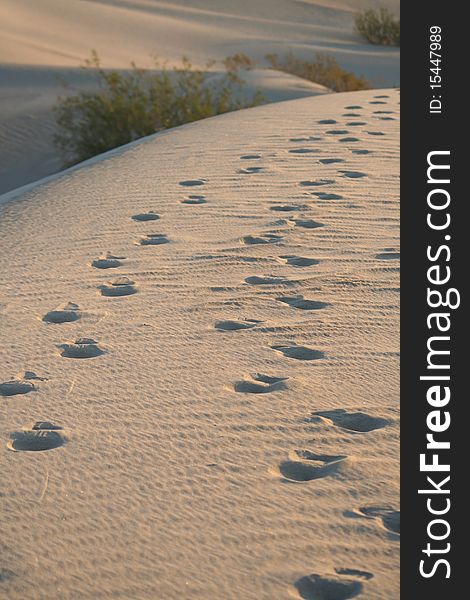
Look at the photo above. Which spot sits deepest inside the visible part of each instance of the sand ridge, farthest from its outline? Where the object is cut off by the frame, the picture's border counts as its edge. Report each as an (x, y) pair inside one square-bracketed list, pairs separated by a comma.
[(202, 403)]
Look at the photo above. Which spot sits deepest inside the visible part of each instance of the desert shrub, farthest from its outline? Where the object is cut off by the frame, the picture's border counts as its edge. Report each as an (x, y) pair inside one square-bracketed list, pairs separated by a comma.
[(379, 27), (239, 61), (324, 69), (127, 105)]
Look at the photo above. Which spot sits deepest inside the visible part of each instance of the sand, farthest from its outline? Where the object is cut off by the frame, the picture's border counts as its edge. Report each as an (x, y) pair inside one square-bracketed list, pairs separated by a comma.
[(42, 42), (215, 413)]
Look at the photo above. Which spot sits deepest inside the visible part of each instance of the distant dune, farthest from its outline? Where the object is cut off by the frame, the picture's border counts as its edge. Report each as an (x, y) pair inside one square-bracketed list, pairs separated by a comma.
[(199, 360), (41, 41), (57, 33)]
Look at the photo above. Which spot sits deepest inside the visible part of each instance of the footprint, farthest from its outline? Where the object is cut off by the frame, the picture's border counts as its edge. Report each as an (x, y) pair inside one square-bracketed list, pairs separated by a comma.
[(387, 118), (383, 112), (300, 261), (353, 107), (81, 348), (192, 182), (268, 280), (261, 384), (348, 139), (338, 131), (301, 303), (250, 156), (194, 199), (355, 123), (119, 287), (70, 312), (23, 385), (299, 352), (251, 170), (37, 440), (388, 256), (326, 196), (383, 96), (353, 174), (361, 151), (108, 262), (307, 223), (307, 466), (352, 115), (331, 161), (317, 183), (327, 122), (148, 216), (389, 517), (377, 102), (266, 238), (375, 132), (304, 151), (289, 207), (236, 325), (154, 239), (6, 574), (315, 587), (352, 421)]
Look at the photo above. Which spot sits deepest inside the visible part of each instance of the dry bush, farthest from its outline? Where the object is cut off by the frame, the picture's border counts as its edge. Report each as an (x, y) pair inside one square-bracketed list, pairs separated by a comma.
[(128, 105), (379, 27), (324, 69)]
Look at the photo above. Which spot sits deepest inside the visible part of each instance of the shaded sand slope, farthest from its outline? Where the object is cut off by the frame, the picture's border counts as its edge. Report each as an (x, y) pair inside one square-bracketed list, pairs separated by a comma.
[(215, 414)]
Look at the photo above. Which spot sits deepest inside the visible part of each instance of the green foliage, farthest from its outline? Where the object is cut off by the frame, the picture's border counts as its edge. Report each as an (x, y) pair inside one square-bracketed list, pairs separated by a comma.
[(379, 27), (239, 61), (135, 103), (324, 69)]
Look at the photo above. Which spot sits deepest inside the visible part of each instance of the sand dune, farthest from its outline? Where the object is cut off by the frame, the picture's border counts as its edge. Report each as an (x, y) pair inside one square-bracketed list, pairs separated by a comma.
[(55, 33), (199, 367), (41, 41)]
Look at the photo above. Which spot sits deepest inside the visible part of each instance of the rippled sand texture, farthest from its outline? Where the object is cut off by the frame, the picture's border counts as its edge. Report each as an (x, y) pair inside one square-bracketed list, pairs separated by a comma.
[(203, 403)]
